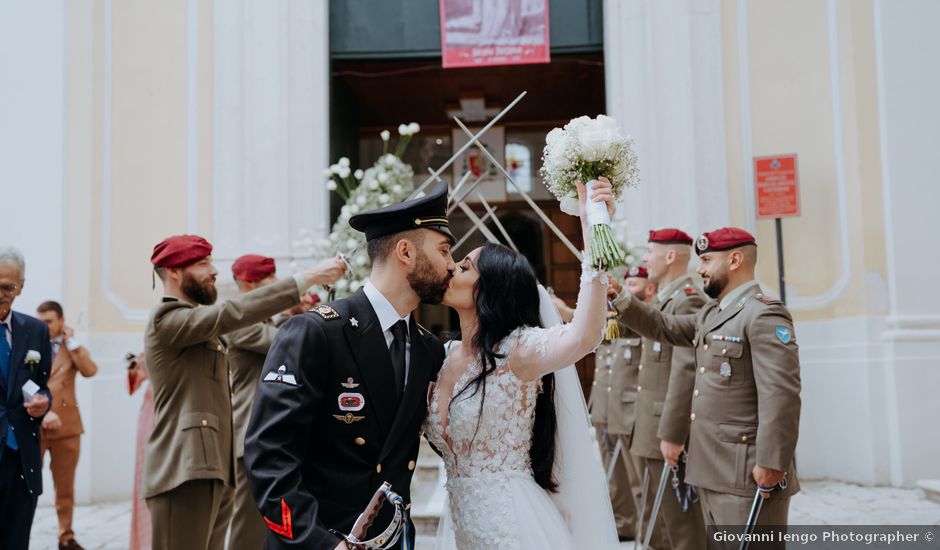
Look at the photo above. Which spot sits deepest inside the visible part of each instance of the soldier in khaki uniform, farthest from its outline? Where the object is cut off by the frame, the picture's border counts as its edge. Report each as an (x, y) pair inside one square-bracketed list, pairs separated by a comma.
[(746, 399), (189, 466), (616, 363), (247, 348), (666, 380)]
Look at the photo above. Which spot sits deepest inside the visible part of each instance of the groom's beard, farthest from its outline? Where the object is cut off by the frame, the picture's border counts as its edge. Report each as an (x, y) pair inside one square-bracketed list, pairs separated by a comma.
[(427, 285)]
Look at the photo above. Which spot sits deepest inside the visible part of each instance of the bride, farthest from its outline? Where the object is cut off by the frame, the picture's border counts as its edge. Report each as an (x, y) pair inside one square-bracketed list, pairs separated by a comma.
[(507, 413)]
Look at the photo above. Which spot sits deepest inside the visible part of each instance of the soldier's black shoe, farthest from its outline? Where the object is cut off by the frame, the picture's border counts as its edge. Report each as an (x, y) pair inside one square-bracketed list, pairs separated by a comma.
[(72, 544), (624, 538)]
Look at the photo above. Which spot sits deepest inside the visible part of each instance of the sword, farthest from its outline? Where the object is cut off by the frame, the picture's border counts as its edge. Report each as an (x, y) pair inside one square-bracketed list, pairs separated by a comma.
[(756, 506), (656, 504), (388, 537), (642, 507), (614, 456)]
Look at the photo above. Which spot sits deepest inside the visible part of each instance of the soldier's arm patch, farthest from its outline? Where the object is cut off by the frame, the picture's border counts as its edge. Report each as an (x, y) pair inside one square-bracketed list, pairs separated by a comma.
[(689, 290), (326, 312)]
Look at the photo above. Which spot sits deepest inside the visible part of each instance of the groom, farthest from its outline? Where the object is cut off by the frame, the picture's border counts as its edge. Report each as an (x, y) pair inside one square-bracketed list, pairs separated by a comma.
[(344, 387)]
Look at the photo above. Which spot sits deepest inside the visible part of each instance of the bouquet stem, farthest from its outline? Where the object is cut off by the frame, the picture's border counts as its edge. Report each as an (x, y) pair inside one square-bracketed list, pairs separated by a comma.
[(605, 250)]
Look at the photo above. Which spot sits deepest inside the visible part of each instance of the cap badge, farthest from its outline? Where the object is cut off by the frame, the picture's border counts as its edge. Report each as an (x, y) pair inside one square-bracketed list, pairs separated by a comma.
[(702, 243)]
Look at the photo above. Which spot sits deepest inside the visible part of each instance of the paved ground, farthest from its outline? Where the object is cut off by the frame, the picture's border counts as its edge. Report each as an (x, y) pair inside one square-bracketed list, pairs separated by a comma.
[(107, 526)]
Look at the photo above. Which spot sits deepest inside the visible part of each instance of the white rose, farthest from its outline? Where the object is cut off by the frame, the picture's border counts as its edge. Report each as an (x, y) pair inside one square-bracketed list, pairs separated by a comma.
[(354, 209), (402, 129), (344, 162), (358, 174), (33, 357), (344, 172), (383, 178), (344, 209), (351, 243), (385, 199), (413, 128), (385, 134), (557, 135), (361, 200), (397, 189), (331, 185), (373, 184), (595, 143), (390, 160), (327, 172), (334, 168)]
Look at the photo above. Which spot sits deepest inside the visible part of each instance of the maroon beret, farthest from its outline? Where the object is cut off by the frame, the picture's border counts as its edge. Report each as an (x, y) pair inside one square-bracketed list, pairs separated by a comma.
[(670, 236), (637, 271), (252, 268), (180, 251), (725, 238)]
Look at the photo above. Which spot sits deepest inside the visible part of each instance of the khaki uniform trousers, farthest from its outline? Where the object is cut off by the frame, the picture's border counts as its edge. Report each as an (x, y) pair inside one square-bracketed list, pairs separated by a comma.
[(732, 510), (193, 516), (248, 527), (683, 530), (64, 459)]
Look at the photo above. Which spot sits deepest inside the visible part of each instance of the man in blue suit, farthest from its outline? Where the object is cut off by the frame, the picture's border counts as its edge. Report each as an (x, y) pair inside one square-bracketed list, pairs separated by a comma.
[(25, 356)]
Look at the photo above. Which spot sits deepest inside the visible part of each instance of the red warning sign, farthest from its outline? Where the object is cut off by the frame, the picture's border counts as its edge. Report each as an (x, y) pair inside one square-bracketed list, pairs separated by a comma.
[(775, 179)]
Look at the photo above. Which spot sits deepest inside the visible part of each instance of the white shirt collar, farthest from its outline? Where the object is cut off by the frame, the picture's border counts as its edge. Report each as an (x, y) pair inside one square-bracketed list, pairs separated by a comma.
[(8, 321), (384, 309)]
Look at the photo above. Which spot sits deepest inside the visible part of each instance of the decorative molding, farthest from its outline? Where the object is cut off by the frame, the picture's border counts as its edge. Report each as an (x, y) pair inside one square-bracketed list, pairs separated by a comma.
[(819, 301), (192, 111)]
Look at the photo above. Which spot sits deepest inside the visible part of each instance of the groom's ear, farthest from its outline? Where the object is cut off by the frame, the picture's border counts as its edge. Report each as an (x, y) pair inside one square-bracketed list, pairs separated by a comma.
[(405, 251)]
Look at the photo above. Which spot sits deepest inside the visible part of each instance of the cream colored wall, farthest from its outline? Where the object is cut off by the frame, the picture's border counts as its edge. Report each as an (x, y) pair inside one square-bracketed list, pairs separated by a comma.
[(783, 96), (141, 123)]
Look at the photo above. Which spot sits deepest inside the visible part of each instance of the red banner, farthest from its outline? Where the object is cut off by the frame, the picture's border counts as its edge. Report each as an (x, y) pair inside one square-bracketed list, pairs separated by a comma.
[(479, 33), (777, 189)]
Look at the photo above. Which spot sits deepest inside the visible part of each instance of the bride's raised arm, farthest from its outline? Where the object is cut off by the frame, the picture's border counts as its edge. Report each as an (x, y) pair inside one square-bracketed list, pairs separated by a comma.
[(540, 350)]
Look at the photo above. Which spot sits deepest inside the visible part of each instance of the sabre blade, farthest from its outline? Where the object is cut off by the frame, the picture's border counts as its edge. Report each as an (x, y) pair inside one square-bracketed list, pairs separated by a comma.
[(752, 518), (656, 504)]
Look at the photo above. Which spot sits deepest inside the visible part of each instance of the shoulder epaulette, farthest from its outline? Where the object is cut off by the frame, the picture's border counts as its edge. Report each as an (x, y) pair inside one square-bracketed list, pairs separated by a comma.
[(766, 299), (326, 312)]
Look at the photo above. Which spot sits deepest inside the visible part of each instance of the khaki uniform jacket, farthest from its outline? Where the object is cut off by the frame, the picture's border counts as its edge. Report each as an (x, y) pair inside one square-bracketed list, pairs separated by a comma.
[(665, 367), (615, 379), (746, 400), (188, 368), (247, 348), (62, 385)]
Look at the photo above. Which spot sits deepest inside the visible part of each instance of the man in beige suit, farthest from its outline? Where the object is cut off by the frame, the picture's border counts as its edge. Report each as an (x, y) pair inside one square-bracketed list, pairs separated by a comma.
[(667, 370), (746, 399), (247, 348), (616, 363), (189, 468), (62, 427)]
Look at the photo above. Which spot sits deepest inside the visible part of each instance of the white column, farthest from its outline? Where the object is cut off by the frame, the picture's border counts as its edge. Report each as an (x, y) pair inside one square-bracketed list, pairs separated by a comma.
[(271, 126), (908, 47), (32, 132), (662, 62)]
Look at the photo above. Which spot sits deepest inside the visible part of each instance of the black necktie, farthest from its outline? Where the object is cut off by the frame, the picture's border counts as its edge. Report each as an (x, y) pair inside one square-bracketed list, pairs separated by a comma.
[(397, 353)]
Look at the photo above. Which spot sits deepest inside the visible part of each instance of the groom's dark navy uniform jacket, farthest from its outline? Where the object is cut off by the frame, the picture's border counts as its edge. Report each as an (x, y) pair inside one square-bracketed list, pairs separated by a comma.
[(327, 427)]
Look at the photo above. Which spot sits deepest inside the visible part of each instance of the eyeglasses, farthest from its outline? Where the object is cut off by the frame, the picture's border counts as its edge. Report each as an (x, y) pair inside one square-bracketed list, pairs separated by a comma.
[(8, 289)]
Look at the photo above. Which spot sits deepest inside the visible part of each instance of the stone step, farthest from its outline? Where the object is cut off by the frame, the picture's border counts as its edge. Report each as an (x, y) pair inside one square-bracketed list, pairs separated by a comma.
[(931, 488)]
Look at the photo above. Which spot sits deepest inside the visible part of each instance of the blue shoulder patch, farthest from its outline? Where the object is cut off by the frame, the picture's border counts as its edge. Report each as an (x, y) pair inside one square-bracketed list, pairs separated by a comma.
[(784, 334)]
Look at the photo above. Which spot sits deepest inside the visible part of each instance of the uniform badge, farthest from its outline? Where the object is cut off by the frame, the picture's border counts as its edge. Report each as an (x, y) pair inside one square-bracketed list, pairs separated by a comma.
[(627, 353), (657, 347), (326, 312), (349, 401), (348, 418), (784, 334), (281, 376), (354, 322), (702, 243), (689, 291), (725, 369), (349, 383)]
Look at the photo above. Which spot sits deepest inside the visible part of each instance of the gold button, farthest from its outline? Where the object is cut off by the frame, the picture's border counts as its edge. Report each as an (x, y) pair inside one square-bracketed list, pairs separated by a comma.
[(695, 393), (705, 347), (608, 388), (411, 464), (378, 468), (724, 351), (692, 417), (219, 347), (359, 441), (640, 367), (594, 383), (743, 438), (205, 422), (639, 388), (701, 370)]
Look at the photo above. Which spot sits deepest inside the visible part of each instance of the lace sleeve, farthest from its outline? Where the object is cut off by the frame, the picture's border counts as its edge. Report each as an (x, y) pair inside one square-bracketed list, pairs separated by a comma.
[(539, 350)]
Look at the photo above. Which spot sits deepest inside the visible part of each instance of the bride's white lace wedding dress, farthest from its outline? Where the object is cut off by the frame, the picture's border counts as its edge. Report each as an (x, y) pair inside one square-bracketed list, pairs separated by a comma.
[(494, 502)]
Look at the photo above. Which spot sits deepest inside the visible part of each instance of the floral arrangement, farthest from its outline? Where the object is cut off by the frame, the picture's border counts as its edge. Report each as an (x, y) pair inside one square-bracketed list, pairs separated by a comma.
[(387, 181), (584, 150)]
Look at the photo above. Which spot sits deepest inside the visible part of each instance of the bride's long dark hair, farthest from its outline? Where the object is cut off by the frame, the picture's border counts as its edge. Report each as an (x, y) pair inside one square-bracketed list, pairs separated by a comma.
[(507, 298)]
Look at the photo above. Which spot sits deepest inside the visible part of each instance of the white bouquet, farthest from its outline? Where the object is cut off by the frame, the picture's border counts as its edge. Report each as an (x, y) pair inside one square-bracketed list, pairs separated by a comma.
[(387, 181), (584, 150)]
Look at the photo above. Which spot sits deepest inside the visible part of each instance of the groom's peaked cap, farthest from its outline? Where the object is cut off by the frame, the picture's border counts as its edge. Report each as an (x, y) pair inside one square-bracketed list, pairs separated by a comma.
[(427, 212)]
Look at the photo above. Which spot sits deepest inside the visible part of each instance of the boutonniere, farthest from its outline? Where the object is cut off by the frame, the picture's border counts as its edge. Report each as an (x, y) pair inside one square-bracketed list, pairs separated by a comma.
[(32, 359)]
